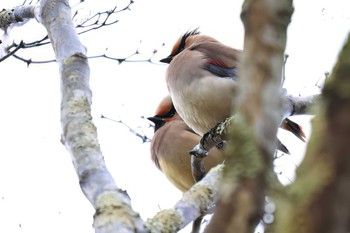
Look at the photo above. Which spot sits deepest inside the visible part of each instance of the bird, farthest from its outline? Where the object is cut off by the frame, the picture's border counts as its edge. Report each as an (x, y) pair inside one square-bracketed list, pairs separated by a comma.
[(171, 143), (202, 82), (201, 79), (170, 146)]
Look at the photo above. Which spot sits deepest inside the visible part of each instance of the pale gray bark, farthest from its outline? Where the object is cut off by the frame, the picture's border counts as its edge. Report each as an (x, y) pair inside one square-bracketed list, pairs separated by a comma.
[(10, 18), (19, 14), (112, 205), (195, 202)]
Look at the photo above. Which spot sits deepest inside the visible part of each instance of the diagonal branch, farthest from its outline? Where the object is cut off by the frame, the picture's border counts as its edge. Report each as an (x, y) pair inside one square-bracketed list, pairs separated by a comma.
[(195, 202), (143, 137), (12, 52), (112, 205), (320, 193)]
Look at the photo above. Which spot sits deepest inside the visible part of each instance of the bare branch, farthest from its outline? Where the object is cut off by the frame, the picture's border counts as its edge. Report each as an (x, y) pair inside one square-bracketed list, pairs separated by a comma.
[(21, 14), (144, 138), (130, 58), (10, 18), (112, 205), (253, 134), (18, 14), (320, 192), (12, 52), (100, 19), (195, 202)]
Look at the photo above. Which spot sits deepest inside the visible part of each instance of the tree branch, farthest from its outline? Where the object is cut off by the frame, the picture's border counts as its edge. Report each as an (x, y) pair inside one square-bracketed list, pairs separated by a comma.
[(100, 19), (12, 52), (195, 202), (21, 14), (292, 105), (320, 193), (112, 205), (252, 139), (144, 138), (10, 18)]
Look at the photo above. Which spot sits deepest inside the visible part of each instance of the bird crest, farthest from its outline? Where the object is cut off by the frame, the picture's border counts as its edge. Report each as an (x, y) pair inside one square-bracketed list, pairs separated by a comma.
[(181, 43)]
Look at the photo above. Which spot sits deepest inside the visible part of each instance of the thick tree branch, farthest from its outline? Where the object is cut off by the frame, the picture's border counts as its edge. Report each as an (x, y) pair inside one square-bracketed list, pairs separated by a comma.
[(320, 194), (195, 202), (10, 18), (19, 14), (300, 105), (253, 134), (113, 210)]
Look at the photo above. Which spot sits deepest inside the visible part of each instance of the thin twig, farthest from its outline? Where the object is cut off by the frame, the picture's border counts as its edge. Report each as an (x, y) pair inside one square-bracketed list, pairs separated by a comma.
[(144, 138)]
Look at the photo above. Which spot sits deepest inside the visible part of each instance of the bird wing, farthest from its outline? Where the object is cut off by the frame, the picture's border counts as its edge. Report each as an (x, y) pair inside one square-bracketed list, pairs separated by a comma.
[(223, 72), (218, 53), (222, 59)]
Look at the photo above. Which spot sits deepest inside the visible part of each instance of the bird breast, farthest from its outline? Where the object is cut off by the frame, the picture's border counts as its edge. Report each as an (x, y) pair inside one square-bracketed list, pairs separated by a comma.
[(201, 98)]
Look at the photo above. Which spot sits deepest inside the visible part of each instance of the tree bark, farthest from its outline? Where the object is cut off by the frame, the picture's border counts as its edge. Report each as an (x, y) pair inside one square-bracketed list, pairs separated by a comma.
[(194, 203), (318, 201), (10, 18), (112, 205), (248, 169)]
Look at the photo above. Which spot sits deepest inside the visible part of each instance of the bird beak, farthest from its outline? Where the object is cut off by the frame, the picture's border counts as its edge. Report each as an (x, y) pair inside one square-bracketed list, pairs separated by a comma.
[(168, 59), (158, 122)]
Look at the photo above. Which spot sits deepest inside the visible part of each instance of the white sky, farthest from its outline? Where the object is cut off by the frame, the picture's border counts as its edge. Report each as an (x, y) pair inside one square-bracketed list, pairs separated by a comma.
[(39, 190)]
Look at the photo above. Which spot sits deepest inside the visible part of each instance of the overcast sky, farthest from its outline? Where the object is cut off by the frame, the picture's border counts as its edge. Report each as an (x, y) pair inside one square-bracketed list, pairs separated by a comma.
[(39, 190)]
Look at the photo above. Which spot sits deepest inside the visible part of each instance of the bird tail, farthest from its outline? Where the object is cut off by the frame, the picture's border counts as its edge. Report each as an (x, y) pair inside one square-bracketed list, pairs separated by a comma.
[(294, 128), (282, 147)]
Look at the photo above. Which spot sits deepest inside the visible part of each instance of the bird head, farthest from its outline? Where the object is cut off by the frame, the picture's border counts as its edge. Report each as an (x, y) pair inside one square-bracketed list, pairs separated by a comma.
[(165, 112), (185, 41)]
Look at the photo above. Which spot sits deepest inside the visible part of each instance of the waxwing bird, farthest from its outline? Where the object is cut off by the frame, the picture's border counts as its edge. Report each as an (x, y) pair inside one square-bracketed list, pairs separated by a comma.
[(201, 79), (202, 82), (171, 143)]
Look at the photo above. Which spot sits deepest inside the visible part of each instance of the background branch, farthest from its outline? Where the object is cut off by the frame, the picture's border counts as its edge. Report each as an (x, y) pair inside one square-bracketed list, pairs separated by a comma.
[(21, 14), (143, 137), (320, 190), (253, 134)]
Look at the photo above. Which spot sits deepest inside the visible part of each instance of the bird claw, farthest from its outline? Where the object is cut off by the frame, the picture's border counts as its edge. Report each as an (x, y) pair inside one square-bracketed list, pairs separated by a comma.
[(220, 145), (199, 152)]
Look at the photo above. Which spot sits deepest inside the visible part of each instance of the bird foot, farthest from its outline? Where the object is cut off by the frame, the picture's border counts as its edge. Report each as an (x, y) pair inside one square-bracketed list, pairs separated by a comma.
[(220, 146), (197, 165), (199, 152)]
